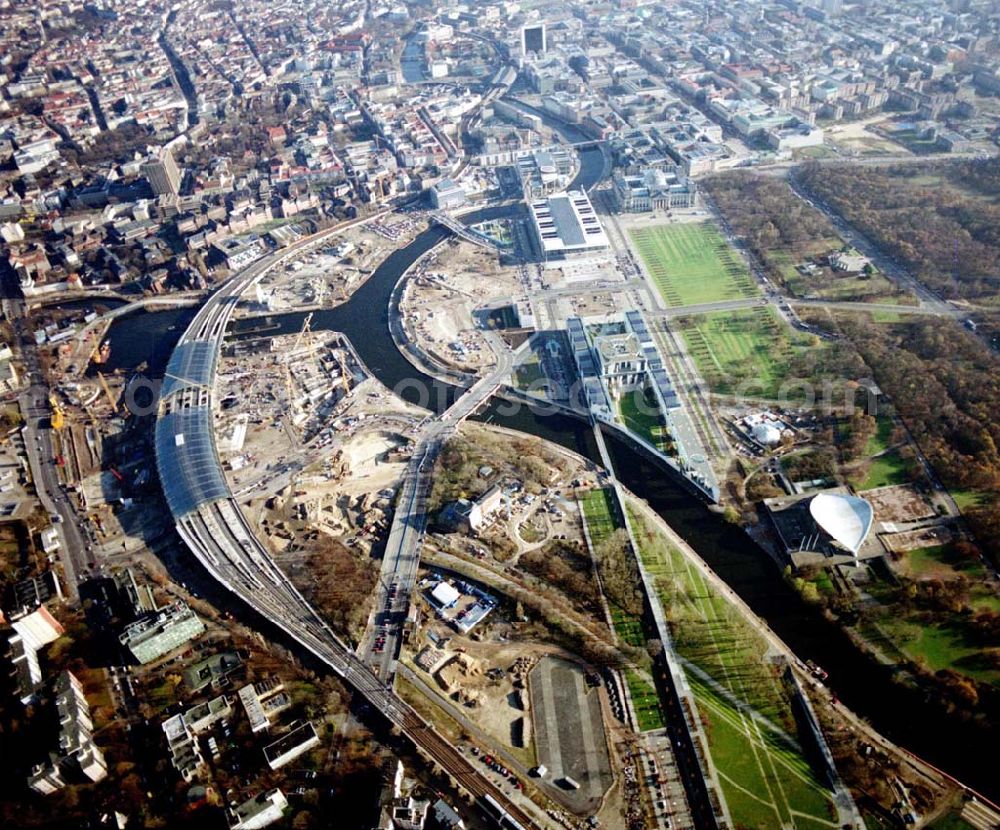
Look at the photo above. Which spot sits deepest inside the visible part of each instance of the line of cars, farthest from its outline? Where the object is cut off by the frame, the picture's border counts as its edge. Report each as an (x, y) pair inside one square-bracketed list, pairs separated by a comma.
[(498, 768), (378, 646)]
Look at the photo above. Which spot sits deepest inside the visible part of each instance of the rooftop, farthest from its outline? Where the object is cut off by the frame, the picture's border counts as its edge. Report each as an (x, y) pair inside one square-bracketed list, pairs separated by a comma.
[(567, 222)]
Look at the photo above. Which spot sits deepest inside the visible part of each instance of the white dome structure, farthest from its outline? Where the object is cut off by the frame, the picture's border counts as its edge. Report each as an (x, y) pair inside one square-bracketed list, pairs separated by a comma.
[(847, 519), (767, 434)]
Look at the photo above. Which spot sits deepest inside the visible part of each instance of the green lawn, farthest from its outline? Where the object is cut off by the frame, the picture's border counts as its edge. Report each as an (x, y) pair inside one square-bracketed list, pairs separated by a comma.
[(970, 499), (941, 642), (628, 628), (645, 702), (744, 351), (952, 821), (601, 516), (887, 317), (882, 471), (766, 783), (766, 779), (879, 442), (692, 264), (940, 562), (527, 374), (940, 646), (633, 411)]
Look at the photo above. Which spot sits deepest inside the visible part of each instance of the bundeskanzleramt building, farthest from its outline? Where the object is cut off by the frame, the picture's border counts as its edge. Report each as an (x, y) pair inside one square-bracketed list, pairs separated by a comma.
[(161, 632), (616, 357), (621, 362)]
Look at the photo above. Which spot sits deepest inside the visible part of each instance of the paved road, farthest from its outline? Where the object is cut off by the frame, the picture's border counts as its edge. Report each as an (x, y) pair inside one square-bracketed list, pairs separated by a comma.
[(381, 643), (75, 538), (886, 264), (781, 168), (946, 310)]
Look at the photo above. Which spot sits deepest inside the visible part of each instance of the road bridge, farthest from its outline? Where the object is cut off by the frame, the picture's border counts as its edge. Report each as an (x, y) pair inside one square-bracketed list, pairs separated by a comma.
[(401, 560)]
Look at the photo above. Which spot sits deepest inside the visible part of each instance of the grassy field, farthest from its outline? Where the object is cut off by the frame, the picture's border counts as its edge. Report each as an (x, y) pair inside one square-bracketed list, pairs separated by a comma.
[(628, 628), (766, 778), (941, 562), (692, 264), (880, 441), (766, 783), (528, 373), (750, 348), (892, 317), (645, 702), (970, 499), (881, 472), (952, 821), (643, 423), (601, 515), (937, 641), (943, 645)]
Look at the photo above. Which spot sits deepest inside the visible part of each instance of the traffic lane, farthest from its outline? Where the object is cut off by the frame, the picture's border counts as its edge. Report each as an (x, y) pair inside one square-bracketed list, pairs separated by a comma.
[(41, 460), (71, 524)]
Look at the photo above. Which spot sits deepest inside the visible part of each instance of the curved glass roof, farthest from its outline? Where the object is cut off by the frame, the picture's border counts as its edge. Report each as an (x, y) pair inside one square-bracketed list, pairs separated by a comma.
[(185, 458), (191, 365)]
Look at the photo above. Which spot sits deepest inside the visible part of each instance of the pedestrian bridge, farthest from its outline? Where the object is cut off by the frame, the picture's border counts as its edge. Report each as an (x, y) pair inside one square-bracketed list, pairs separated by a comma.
[(465, 232)]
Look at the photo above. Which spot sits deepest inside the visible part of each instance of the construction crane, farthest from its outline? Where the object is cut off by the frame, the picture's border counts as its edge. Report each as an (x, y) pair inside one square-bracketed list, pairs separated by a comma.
[(345, 376), (289, 390), (306, 329), (58, 419), (107, 391)]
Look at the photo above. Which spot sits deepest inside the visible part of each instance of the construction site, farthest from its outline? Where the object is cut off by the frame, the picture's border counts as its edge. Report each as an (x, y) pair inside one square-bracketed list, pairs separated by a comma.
[(439, 301), (327, 276), (308, 438), (536, 715), (101, 458)]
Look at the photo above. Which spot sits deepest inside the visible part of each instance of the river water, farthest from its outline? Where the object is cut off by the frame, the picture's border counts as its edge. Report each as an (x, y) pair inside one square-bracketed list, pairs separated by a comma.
[(901, 714)]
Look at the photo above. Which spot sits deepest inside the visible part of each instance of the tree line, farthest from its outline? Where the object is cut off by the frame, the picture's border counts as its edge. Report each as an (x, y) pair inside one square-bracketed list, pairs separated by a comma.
[(947, 236), (946, 386)]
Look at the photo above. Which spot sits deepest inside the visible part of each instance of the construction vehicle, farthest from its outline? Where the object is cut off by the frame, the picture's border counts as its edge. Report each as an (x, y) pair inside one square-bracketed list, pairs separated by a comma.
[(101, 351), (58, 419)]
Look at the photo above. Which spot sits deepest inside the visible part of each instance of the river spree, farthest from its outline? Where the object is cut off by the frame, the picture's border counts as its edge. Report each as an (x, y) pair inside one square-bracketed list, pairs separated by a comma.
[(902, 714)]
